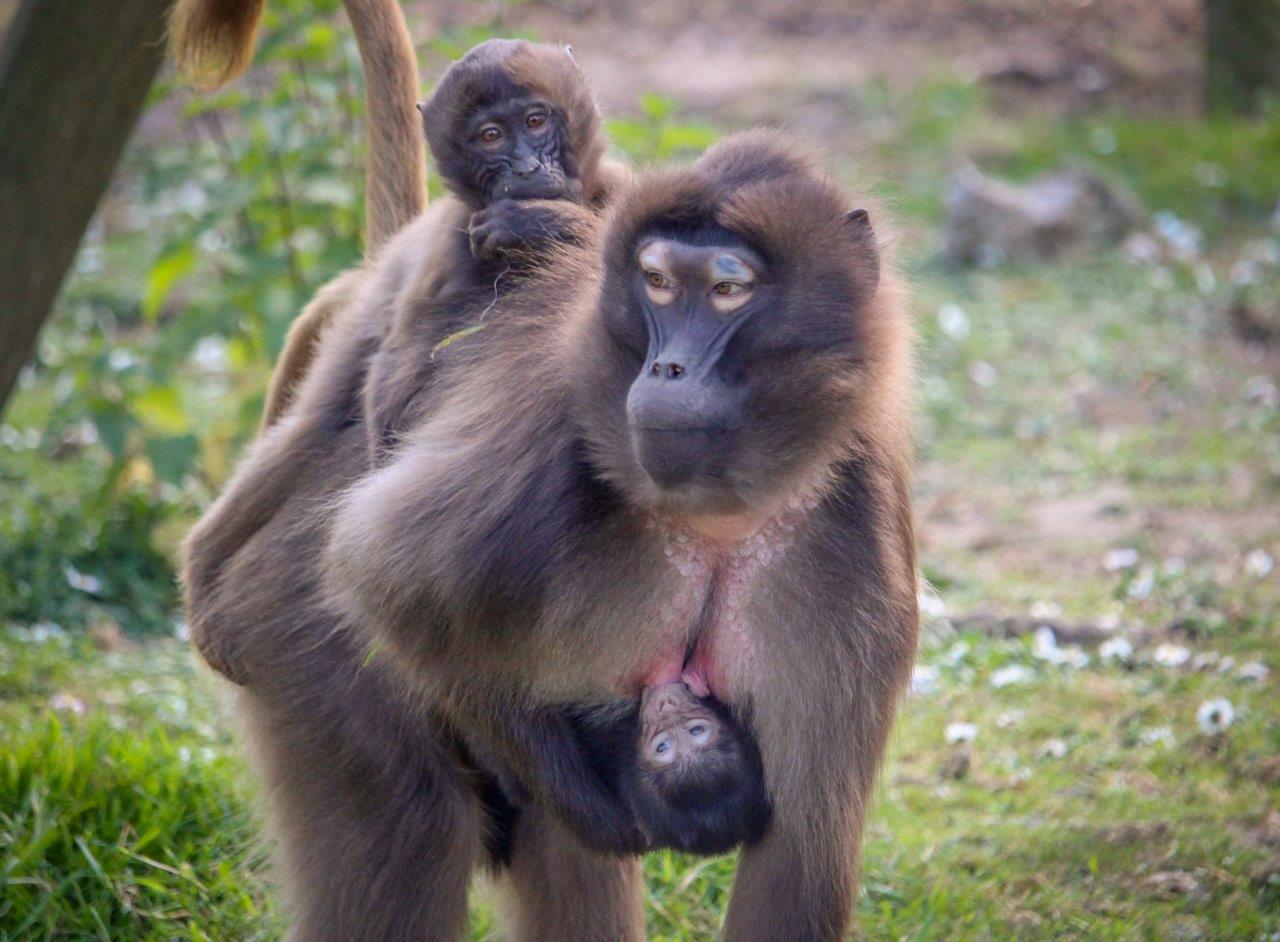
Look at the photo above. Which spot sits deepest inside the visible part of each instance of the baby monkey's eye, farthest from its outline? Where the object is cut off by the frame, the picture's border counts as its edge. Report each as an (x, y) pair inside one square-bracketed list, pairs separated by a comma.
[(491, 134), (658, 280), (727, 289), (698, 730), (535, 119), (662, 746)]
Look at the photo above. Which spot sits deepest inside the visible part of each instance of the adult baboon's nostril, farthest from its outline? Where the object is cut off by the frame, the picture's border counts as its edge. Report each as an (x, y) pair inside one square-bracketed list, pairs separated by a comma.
[(674, 370)]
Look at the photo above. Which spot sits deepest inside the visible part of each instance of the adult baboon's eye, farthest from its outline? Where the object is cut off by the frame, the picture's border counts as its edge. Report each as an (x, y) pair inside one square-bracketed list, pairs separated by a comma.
[(535, 119), (491, 134), (728, 289), (658, 280)]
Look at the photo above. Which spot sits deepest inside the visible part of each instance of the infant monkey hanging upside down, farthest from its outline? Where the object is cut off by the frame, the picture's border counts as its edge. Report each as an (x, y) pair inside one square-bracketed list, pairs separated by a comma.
[(685, 764)]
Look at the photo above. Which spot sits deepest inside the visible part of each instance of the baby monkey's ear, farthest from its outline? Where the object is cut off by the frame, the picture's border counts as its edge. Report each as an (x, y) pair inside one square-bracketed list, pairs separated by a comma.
[(568, 51)]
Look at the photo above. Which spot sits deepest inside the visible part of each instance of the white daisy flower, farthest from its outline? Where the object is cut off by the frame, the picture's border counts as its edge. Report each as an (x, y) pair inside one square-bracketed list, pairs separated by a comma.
[(67, 703), (1158, 735), (1254, 670), (1116, 649), (1259, 563), (1214, 716), (1170, 655), (956, 653), (1044, 644), (924, 679), (1122, 557), (1205, 660), (1054, 749), (1010, 718), (1011, 675), (953, 321)]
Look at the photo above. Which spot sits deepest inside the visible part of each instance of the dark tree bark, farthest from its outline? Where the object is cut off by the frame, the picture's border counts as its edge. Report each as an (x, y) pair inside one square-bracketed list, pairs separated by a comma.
[(1242, 53), (74, 76)]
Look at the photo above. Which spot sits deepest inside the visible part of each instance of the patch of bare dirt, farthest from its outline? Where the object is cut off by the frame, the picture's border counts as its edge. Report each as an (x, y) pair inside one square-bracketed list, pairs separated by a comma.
[(954, 517), (776, 60)]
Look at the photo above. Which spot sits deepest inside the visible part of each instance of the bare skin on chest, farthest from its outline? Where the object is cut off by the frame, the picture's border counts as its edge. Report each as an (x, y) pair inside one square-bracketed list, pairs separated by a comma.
[(719, 563)]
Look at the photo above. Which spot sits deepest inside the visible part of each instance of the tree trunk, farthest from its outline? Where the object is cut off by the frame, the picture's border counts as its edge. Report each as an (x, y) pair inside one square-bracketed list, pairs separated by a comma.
[(1242, 53), (74, 76)]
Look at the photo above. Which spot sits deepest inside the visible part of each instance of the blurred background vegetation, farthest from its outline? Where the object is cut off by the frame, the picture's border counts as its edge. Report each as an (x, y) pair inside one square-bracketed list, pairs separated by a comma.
[(1099, 442)]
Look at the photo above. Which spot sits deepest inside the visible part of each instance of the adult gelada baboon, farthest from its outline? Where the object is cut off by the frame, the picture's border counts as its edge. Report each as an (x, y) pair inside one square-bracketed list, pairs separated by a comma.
[(515, 133), (681, 449), (686, 451), (693, 443)]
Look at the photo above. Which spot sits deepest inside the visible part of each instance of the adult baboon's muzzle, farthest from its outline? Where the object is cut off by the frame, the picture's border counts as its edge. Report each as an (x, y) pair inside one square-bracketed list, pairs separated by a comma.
[(682, 416)]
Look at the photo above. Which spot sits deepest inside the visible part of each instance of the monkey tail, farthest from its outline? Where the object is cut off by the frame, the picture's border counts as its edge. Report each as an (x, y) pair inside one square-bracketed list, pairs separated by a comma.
[(213, 42)]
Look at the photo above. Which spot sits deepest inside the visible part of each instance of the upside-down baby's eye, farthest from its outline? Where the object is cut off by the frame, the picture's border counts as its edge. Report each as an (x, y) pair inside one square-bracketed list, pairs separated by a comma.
[(698, 730), (491, 134), (662, 746), (535, 119), (657, 280)]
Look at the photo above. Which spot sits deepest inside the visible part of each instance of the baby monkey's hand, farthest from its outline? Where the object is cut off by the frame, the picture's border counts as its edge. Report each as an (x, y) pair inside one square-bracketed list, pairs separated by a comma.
[(507, 228)]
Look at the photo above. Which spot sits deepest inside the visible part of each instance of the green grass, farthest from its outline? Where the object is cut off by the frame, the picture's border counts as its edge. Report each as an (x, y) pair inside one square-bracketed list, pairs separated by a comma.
[(123, 810), (1114, 410)]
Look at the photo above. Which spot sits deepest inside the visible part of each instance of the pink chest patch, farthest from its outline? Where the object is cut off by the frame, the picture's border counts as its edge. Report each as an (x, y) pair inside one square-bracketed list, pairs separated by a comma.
[(716, 578)]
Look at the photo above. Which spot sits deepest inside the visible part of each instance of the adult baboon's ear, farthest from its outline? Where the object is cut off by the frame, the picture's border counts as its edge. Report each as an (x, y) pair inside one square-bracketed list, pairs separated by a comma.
[(422, 108), (858, 219), (857, 223)]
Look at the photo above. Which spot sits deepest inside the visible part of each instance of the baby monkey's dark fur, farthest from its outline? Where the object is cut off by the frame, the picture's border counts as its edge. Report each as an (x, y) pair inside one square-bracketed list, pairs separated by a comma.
[(704, 803), (539, 183), (708, 803), (511, 201)]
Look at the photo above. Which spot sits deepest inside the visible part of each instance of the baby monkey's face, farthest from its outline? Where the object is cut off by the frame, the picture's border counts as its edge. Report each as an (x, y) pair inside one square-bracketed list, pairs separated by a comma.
[(676, 727)]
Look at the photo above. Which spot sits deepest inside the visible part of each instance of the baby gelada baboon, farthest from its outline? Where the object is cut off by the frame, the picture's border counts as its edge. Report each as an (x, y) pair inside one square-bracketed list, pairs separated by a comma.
[(697, 780), (676, 757)]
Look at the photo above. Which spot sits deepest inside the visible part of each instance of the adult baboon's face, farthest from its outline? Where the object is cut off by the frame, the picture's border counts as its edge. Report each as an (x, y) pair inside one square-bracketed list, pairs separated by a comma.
[(689, 404), (745, 350)]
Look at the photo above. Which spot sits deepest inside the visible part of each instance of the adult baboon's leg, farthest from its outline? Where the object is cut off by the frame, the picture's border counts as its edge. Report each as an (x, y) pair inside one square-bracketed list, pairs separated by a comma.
[(374, 842), (557, 889)]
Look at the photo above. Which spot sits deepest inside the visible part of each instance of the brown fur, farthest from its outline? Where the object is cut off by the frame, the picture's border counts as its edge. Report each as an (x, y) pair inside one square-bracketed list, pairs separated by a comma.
[(489, 560), (300, 343), (376, 818), (454, 289), (543, 69), (213, 40), (503, 557)]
